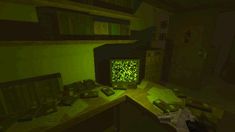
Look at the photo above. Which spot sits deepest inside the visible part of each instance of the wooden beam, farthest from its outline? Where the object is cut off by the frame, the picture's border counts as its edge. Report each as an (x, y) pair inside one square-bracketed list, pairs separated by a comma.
[(160, 4), (168, 5), (63, 42), (66, 4), (174, 6), (220, 7)]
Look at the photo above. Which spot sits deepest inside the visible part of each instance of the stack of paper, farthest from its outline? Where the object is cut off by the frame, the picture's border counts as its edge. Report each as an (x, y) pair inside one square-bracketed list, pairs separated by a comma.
[(163, 94)]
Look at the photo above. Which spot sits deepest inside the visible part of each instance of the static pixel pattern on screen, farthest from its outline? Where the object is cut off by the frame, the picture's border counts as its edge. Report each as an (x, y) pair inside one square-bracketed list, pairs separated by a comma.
[(125, 70)]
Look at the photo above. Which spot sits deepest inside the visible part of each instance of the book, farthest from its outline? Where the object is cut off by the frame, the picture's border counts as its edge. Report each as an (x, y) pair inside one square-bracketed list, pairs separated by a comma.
[(101, 28), (114, 29)]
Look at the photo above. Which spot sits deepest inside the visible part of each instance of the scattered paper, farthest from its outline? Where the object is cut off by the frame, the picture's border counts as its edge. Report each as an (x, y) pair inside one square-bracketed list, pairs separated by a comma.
[(163, 94), (143, 84), (117, 94)]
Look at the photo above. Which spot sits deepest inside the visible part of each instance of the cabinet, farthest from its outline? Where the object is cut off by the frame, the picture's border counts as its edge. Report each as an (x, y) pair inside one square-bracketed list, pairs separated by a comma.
[(97, 123)]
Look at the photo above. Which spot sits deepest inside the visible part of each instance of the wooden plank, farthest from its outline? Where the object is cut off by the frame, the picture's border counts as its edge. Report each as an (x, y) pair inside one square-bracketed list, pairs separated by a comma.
[(138, 97), (63, 42), (96, 106), (42, 77), (162, 4), (66, 4), (19, 30)]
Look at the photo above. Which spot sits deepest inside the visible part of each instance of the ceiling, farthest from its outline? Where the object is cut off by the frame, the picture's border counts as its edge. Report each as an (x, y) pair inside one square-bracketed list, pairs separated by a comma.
[(186, 5)]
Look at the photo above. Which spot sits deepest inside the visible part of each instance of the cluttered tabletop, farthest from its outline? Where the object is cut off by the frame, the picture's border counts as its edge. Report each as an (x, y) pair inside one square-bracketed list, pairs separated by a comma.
[(169, 107)]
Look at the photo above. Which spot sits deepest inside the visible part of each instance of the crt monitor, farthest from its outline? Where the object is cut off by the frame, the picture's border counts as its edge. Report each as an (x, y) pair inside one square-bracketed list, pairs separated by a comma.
[(124, 72)]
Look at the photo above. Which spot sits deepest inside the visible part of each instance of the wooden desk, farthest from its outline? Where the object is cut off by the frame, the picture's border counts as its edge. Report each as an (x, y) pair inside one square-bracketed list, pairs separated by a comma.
[(103, 103), (83, 109)]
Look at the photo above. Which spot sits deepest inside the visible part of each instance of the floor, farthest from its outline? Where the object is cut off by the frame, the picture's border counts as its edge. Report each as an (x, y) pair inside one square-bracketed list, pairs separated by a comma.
[(218, 93), (214, 91)]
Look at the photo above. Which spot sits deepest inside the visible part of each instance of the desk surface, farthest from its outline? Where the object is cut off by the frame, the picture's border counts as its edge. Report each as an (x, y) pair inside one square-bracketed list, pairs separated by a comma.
[(83, 109)]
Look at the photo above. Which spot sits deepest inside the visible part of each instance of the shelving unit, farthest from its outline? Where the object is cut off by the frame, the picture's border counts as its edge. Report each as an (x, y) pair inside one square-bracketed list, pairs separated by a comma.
[(58, 42), (60, 23), (71, 5)]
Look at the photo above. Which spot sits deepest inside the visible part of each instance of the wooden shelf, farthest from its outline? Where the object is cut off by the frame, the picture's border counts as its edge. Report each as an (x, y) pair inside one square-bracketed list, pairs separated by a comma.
[(66, 4), (63, 42)]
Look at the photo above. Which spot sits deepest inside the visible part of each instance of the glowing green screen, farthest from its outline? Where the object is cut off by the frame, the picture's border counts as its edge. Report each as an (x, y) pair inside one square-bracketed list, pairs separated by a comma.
[(125, 70)]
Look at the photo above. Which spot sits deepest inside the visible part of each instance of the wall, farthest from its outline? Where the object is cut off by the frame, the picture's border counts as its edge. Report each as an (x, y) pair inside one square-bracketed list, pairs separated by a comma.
[(145, 17), (73, 61), (19, 12), (148, 21)]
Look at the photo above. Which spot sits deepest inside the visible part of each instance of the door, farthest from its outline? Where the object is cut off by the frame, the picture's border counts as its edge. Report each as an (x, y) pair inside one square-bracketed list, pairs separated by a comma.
[(188, 56), (228, 71)]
